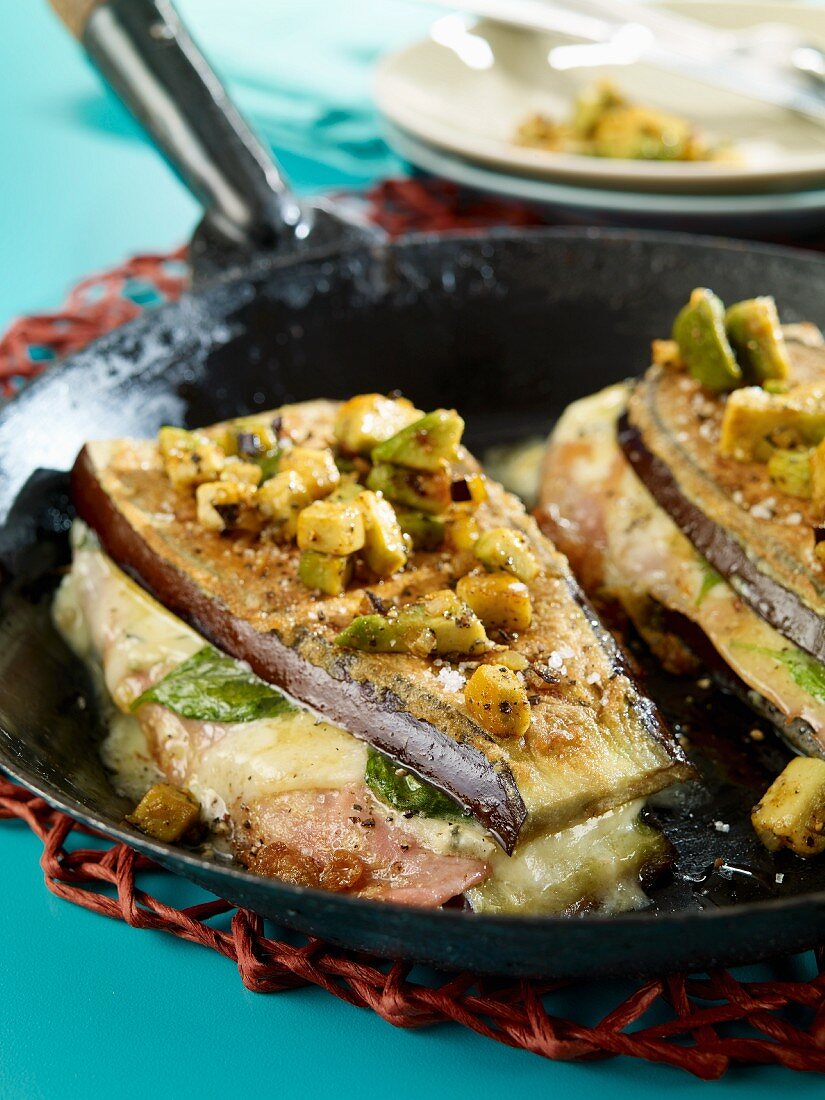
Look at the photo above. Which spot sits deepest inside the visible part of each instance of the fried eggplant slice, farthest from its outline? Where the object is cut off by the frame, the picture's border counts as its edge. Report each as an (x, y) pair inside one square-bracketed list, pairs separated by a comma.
[(634, 533), (593, 741), (757, 536)]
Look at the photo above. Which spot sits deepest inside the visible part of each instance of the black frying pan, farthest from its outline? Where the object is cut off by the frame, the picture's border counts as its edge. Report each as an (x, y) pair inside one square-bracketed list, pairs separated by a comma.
[(508, 326)]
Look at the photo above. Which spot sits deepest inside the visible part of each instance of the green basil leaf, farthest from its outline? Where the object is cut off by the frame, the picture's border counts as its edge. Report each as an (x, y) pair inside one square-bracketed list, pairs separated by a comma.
[(805, 671), (404, 792), (212, 687)]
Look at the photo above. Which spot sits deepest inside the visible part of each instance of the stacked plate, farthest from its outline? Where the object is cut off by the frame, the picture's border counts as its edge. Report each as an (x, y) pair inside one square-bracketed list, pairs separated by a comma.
[(452, 104)]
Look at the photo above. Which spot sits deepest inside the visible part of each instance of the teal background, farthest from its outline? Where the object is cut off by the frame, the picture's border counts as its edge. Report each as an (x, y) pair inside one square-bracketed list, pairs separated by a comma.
[(89, 1007)]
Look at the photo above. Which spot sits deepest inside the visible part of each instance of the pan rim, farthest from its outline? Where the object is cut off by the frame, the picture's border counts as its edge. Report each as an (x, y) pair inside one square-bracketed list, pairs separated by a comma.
[(634, 919)]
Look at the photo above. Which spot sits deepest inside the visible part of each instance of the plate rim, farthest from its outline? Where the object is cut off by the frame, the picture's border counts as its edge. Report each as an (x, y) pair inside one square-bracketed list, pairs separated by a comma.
[(608, 174), (588, 199)]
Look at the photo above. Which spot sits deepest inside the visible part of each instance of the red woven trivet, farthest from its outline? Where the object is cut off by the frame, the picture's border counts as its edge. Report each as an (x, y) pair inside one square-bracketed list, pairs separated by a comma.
[(709, 1022)]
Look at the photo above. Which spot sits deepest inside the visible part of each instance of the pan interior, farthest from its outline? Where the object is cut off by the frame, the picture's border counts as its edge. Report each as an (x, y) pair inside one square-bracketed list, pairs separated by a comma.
[(509, 330)]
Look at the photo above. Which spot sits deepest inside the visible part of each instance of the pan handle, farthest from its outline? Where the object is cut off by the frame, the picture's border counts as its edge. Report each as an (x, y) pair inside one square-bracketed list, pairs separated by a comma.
[(147, 56)]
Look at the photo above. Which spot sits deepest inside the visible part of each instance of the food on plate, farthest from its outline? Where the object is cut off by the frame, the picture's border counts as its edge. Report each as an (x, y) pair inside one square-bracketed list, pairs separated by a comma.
[(362, 660), (604, 123), (694, 499)]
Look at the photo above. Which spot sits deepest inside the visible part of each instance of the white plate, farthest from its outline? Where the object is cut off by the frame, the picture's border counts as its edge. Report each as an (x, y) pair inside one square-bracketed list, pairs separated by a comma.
[(791, 214), (467, 93)]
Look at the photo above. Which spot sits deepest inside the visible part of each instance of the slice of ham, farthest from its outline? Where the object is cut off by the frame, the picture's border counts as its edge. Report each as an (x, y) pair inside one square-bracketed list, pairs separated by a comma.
[(344, 832)]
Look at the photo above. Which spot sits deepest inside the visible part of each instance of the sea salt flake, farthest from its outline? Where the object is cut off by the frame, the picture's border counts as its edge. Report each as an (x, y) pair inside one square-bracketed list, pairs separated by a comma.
[(779, 878), (721, 826), (762, 510), (450, 679)]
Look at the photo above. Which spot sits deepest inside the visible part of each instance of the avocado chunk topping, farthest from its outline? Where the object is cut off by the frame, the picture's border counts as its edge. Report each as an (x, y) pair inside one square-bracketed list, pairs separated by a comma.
[(421, 490), (165, 813), (497, 699), (791, 813), (189, 458), (426, 531), (756, 336), (331, 528), (755, 422), (426, 444), (506, 549), (500, 600), (385, 551), (368, 419), (440, 623), (329, 573), (699, 330), (790, 471)]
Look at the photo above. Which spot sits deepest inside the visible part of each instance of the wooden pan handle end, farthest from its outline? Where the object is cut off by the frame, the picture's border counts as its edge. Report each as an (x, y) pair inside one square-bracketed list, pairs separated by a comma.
[(75, 13)]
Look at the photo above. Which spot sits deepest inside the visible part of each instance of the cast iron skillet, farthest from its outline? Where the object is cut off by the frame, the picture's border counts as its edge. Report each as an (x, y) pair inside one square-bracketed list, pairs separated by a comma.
[(508, 326)]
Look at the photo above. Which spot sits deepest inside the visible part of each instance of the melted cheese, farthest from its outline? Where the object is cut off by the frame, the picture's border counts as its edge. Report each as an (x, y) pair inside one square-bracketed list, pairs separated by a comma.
[(595, 864), (108, 619)]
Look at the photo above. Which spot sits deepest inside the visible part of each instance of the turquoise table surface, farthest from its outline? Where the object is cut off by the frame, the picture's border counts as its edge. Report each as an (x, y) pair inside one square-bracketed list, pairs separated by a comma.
[(88, 1007)]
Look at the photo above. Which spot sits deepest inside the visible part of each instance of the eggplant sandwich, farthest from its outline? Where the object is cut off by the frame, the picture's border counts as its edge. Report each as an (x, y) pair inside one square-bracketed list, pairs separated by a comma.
[(692, 501), (339, 654)]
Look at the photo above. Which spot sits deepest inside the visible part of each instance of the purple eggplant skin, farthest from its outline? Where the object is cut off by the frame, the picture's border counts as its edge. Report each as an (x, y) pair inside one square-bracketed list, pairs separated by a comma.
[(778, 606)]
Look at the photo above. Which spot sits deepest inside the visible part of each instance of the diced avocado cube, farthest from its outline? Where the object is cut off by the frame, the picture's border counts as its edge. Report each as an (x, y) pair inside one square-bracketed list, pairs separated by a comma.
[(460, 532), (790, 471), (315, 466), (507, 549), (497, 699), (699, 330), (500, 600), (426, 531), (422, 490), (281, 500), (249, 437), (755, 421), (227, 506), (457, 629), (165, 813), (388, 634), (385, 551), (348, 488), (439, 623), (189, 458), (791, 813), (237, 469), (368, 419), (426, 444), (327, 572), (331, 528), (755, 333)]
